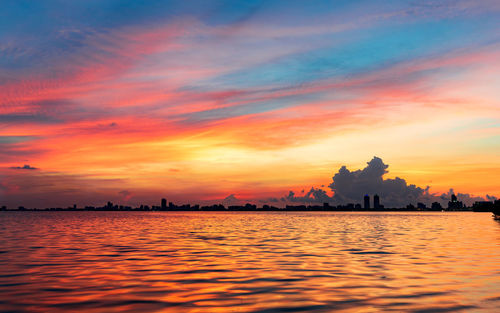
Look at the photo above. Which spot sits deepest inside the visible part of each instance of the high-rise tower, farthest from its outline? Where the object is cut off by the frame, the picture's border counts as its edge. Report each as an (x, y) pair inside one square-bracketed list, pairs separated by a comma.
[(367, 202)]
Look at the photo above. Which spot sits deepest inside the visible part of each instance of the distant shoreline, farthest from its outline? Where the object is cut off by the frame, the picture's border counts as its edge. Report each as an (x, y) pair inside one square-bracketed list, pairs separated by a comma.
[(453, 206), (228, 210)]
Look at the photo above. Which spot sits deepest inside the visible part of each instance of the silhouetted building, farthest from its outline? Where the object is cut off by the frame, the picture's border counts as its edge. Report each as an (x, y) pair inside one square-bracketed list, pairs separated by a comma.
[(250, 207), (454, 204), (483, 206), (366, 202), (376, 202), (436, 206), (295, 207), (496, 209), (421, 206), (163, 204), (410, 207)]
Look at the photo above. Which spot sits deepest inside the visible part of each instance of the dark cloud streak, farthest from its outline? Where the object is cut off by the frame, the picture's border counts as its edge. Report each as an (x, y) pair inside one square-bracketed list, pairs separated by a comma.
[(24, 167)]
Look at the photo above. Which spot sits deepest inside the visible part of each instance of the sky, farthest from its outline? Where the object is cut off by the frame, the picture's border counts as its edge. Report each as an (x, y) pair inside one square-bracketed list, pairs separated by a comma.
[(201, 101)]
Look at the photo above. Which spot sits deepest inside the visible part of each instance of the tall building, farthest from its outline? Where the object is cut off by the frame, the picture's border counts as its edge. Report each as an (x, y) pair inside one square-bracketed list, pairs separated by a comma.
[(367, 202), (376, 202), (436, 206), (163, 204), (454, 204)]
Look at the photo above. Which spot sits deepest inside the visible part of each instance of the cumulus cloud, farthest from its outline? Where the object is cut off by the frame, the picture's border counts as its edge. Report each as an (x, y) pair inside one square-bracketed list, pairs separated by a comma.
[(270, 200), (464, 197), (350, 187), (313, 196), (231, 200), (126, 194), (25, 167), (491, 198)]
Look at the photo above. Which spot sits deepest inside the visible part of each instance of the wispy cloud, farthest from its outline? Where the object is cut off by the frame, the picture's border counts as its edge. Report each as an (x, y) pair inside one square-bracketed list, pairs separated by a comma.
[(230, 91)]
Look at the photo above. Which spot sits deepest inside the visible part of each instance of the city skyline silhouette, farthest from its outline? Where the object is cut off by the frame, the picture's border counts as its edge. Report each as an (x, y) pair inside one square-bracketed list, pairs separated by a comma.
[(345, 191), (253, 156), (127, 102)]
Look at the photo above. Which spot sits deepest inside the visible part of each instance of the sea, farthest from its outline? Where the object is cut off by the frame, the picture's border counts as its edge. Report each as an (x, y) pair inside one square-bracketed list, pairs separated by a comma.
[(249, 262)]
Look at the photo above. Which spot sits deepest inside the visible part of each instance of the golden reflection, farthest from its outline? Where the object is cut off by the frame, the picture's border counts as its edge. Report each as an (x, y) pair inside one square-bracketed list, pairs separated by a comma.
[(248, 262)]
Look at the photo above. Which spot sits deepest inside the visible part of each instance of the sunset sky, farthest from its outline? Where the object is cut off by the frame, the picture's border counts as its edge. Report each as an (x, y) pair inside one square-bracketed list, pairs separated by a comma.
[(194, 101)]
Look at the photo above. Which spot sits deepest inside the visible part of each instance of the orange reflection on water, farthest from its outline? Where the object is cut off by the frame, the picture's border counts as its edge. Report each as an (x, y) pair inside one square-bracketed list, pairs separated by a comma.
[(248, 262)]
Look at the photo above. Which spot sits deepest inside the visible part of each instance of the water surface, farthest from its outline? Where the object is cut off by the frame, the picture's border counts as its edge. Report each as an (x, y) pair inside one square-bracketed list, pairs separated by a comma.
[(249, 262)]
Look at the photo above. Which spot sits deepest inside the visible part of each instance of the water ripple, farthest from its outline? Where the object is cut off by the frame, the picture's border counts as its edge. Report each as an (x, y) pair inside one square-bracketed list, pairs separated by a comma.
[(248, 262)]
